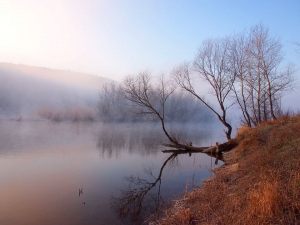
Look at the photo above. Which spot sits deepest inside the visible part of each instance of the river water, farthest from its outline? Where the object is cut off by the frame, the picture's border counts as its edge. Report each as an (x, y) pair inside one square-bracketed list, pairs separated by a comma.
[(95, 173)]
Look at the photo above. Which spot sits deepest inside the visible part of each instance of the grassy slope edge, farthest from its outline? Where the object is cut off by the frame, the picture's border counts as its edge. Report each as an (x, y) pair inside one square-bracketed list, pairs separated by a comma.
[(258, 184)]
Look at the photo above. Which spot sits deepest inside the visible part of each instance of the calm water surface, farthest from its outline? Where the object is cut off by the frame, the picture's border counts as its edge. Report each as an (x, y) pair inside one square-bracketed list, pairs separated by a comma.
[(120, 168)]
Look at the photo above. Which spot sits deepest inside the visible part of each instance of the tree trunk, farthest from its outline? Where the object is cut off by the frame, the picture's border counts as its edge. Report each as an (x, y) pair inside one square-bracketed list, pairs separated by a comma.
[(218, 149)]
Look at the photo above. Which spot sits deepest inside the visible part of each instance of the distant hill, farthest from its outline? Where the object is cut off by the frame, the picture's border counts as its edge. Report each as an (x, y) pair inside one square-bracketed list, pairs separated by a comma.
[(26, 90)]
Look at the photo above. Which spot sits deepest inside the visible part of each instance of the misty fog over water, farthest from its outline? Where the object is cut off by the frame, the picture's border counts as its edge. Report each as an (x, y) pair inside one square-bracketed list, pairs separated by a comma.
[(61, 165), (30, 92), (92, 92), (45, 165)]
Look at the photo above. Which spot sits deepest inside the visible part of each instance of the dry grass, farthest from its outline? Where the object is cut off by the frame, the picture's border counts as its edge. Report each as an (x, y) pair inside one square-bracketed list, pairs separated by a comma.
[(180, 216), (243, 130), (264, 200), (259, 185)]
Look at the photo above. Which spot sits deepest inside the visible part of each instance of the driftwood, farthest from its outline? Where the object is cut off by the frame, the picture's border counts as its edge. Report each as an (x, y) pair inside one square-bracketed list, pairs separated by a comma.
[(185, 147), (179, 151), (218, 149)]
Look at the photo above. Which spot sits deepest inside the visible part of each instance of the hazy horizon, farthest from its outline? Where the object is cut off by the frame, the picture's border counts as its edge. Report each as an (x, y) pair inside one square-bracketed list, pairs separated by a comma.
[(113, 39), (27, 91)]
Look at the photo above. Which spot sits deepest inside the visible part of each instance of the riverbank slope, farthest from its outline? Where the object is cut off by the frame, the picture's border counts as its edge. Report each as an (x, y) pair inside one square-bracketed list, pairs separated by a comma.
[(258, 184)]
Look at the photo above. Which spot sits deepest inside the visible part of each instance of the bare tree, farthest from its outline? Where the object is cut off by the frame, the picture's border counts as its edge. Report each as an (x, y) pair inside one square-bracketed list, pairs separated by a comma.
[(211, 66), (149, 97), (238, 66), (246, 66), (261, 80), (180, 107)]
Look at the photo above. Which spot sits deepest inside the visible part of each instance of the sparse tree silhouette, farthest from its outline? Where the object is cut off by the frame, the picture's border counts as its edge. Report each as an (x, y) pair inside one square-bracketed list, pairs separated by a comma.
[(180, 107), (210, 66), (149, 97), (256, 59), (245, 69), (238, 66)]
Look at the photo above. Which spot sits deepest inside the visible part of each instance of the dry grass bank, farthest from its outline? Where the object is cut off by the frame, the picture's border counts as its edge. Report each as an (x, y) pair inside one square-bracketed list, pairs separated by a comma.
[(259, 183)]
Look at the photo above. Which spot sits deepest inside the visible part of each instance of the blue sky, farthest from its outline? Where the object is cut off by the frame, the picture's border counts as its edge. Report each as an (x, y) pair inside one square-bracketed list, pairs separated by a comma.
[(115, 38)]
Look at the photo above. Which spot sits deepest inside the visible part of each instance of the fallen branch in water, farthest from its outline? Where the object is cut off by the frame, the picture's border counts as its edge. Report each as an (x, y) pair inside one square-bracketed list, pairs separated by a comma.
[(219, 148)]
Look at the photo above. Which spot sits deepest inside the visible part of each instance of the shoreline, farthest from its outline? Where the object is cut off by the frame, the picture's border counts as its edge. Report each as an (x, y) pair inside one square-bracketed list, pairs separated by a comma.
[(259, 182)]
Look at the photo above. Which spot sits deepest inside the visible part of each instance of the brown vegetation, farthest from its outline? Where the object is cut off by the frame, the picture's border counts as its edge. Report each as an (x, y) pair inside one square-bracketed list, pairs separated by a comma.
[(68, 113), (258, 184)]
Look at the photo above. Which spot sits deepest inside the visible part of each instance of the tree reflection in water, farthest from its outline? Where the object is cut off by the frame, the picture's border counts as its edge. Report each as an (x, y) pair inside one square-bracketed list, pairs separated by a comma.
[(141, 198)]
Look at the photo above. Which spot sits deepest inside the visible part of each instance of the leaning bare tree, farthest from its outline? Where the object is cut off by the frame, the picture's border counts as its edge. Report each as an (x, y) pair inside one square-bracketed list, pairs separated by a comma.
[(211, 66), (150, 98), (247, 67)]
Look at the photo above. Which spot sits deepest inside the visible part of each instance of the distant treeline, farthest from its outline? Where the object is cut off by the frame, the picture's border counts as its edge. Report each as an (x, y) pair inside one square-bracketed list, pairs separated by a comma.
[(246, 70), (39, 93), (181, 107)]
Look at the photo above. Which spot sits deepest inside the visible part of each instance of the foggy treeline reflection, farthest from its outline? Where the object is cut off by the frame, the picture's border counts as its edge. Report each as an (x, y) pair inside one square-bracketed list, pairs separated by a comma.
[(42, 157), (144, 138), (112, 138)]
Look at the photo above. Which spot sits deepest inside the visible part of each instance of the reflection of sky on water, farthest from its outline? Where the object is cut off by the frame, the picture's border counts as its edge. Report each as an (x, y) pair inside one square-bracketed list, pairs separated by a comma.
[(42, 166)]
